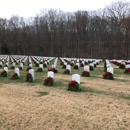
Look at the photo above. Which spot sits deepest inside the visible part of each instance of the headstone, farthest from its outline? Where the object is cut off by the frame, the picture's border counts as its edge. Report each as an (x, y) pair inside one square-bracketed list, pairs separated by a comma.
[(30, 65), (92, 64), (123, 62), (17, 71), (128, 66), (77, 64), (31, 71), (37, 62), (65, 63), (50, 74), (45, 63), (41, 66), (53, 66), (108, 65), (73, 62), (83, 62), (76, 77), (7, 64), (0, 63), (68, 67), (13, 64), (6, 69), (21, 65), (86, 68), (110, 70)]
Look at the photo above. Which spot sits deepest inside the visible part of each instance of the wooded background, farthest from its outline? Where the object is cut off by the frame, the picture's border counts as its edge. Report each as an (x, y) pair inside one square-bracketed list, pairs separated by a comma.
[(104, 33)]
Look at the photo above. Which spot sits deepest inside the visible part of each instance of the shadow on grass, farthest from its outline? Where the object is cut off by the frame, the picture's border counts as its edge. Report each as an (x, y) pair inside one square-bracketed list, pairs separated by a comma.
[(113, 94), (120, 80), (60, 84), (90, 90), (125, 97), (40, 93)]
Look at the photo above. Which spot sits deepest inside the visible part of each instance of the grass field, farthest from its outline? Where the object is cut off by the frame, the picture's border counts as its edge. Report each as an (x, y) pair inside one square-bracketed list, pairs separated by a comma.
[(101, 105)]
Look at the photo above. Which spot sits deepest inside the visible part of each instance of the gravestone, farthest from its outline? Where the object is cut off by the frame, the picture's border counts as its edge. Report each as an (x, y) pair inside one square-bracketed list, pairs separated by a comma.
[(30, 65), (41, 66), (127, 66), (13, 64), (0, 63), (17, 71), (68, 67), (31, 71), (50, 74), (76, 77), (77, 64), (110, 70), (86, 68), (21, 65), (6, 69)]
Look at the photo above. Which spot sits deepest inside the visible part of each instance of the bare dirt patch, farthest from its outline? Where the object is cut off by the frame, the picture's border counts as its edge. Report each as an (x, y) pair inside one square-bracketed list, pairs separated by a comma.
[(21, 107)]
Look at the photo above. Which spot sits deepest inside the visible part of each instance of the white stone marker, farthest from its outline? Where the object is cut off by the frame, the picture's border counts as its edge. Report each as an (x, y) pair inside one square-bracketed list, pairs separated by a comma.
[(86, 68), (68, 67), (76, 77), (13, 64), (54, 66), (128, 66), (41, 66), (50, 74), (110, 70), (1, 63), (30, 65), (77, 64), (21, 65), (6, 69), (17, 71), (31, 71)]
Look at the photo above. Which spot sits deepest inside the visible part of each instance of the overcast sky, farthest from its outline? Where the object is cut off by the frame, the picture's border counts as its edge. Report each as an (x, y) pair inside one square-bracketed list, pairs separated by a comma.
[(29, 8)]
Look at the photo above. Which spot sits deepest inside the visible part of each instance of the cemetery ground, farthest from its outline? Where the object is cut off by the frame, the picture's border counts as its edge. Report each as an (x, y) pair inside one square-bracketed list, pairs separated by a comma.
[(101, 105)]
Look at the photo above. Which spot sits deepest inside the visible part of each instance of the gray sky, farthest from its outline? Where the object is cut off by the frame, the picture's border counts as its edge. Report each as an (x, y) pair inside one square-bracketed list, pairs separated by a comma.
[(29, 8)]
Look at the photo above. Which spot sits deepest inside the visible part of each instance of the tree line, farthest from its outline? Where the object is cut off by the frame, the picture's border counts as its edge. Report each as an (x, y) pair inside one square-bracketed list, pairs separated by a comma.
[(104, 33)]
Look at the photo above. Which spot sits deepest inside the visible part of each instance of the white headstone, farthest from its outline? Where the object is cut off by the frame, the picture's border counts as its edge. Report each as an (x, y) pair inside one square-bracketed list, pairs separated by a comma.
[(41, 66), (17, 71), (77, 64), (30, 65), (37, 62), (92, 64), (54, 66), (6, 69), (45, 63), (7, 63), (110, 70), (86, 68), (21, 65), (13, 64), (65, 63), (77, 60), (128, 66), (108, 65), (68, 67), (73, 62), (50, 74), (83, 62), (123, 62), (31, 71), (76, 77), (1, 63)]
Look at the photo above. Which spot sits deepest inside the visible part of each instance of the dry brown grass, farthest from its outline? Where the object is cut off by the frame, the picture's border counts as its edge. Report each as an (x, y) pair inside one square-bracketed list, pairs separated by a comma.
[(21, 107)]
